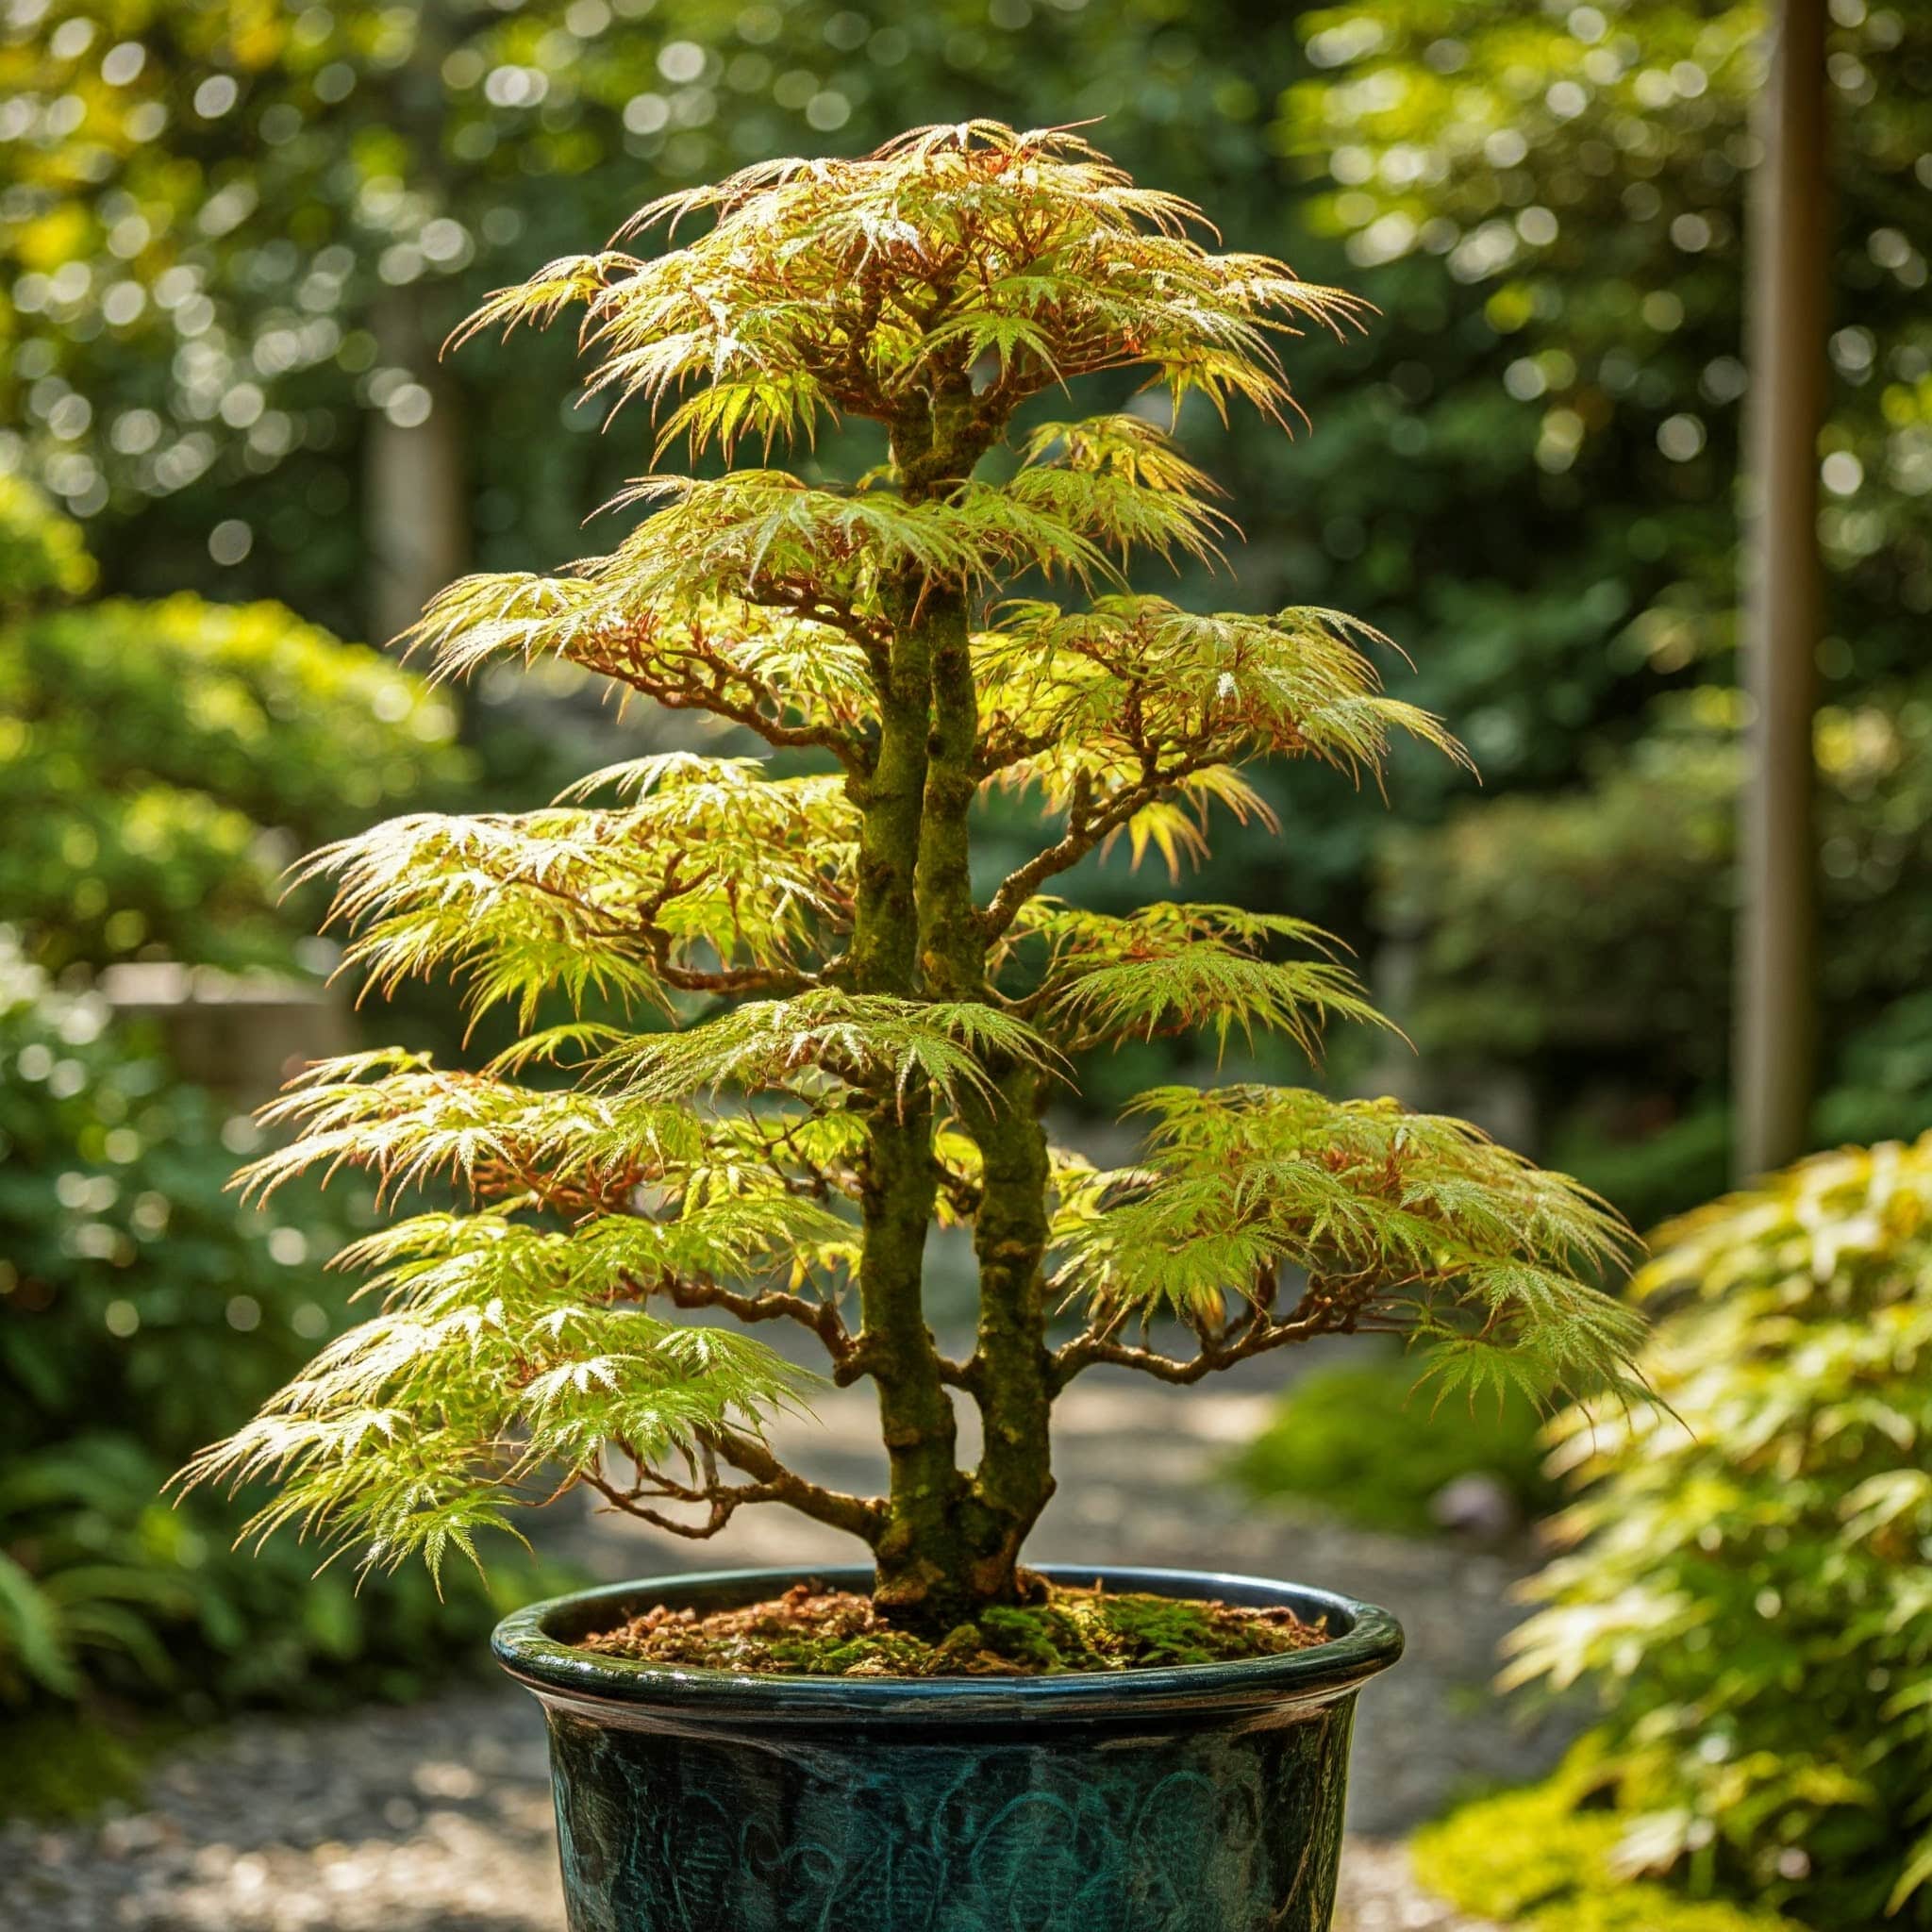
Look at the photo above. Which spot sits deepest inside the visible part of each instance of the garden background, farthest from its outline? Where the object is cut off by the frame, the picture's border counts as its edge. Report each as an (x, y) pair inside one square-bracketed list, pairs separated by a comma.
[(231, 239)]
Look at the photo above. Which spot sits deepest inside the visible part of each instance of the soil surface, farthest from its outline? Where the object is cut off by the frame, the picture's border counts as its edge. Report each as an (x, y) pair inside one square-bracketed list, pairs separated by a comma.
[(437, 1818), (814, 1632)]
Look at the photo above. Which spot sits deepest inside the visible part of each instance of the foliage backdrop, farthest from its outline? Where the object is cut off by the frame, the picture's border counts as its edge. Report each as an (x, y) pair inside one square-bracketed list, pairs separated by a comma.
[(235, 232)]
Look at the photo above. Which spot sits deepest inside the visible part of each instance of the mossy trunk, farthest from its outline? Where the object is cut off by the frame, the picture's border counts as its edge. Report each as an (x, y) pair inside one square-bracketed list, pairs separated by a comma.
[(1010, 1368), (952, 1538), (915, 1410)]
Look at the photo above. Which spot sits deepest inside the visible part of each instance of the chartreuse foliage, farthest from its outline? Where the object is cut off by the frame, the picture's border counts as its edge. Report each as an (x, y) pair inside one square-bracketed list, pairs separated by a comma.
[(1544, 1860), (864, 1035), (1751, 1589)]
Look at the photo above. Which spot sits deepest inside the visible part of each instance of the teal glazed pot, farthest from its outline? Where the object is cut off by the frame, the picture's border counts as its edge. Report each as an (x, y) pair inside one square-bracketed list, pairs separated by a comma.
[(1202, 1798)]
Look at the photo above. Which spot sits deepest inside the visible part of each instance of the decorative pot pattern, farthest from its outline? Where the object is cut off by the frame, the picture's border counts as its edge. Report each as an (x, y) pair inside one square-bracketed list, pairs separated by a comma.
[(1205, 1799)]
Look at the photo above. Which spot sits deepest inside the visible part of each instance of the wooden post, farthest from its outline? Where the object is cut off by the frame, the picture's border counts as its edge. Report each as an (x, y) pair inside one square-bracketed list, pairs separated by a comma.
[(1788, 320), (415, 500)]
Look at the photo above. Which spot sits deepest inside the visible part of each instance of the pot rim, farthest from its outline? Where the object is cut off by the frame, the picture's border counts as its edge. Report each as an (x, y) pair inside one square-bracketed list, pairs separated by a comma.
[(534, 1645)]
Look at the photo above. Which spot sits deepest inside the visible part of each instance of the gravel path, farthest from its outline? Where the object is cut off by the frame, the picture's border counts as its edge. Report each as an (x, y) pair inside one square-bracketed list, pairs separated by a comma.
[(437, 1819)]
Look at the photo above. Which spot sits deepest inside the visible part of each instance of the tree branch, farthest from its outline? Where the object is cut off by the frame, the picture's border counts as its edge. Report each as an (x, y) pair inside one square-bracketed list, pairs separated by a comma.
[(775, 1305), (1007, 745), (783, 980), (772, 1482), (669, 677), (809, 600), (861, 1516), (723, 1502), (1256, 1337), (1085, 830)]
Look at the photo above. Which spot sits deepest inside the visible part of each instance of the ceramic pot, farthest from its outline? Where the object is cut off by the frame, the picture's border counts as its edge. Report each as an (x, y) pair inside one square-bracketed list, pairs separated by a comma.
[(1201, 1798)]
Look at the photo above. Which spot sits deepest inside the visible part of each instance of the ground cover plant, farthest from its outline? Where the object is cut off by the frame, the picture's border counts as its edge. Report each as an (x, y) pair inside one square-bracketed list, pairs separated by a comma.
[(1358, 1439), (1545, 1860), (856, 1035)]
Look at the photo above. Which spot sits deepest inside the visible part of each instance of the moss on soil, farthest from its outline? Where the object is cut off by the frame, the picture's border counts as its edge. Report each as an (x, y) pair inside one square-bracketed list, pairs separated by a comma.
[(808, 1632)]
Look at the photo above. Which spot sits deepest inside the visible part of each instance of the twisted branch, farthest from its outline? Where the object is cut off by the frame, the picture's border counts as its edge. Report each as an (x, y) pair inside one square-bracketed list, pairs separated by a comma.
[(1086, 828), (721, 1499)]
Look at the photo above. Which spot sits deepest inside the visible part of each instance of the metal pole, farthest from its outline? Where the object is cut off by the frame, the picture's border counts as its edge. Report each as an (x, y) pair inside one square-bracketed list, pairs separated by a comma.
[(1788, 319)]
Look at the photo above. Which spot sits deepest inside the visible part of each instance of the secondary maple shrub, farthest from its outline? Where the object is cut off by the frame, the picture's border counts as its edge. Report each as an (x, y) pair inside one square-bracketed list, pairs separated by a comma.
[(1751, 1589)]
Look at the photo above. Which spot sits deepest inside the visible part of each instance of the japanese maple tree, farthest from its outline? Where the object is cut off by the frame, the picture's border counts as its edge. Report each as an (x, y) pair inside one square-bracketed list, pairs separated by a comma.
[(848, 1040)]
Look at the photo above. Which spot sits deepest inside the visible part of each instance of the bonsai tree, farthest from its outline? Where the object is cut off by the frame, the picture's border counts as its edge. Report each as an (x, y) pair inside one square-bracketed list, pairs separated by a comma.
[(856, 1033)]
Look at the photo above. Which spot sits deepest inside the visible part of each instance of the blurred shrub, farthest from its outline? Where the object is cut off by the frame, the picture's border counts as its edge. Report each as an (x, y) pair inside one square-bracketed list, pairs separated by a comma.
[(1586, 937), (1538, 1862), (1362, 1442), (143, 1311), (1632, 1151), (44, 556), (1751, 1589), (80, 1587), (1577, 924), (161, 764)]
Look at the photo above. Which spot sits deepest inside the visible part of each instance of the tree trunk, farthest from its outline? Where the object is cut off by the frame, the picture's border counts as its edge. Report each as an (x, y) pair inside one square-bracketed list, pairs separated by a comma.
[(917, 1551), (920, 1554), (1790, 293), (1010, 1370), (951, 1543), (1012, 1366)]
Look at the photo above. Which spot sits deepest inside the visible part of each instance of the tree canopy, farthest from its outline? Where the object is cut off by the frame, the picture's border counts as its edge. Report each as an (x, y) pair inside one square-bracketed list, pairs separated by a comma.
[(887, 1026)]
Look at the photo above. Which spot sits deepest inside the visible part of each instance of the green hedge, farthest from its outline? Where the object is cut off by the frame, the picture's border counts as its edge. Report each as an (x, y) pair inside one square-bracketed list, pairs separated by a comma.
[(1585, 939), (161, 763)]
